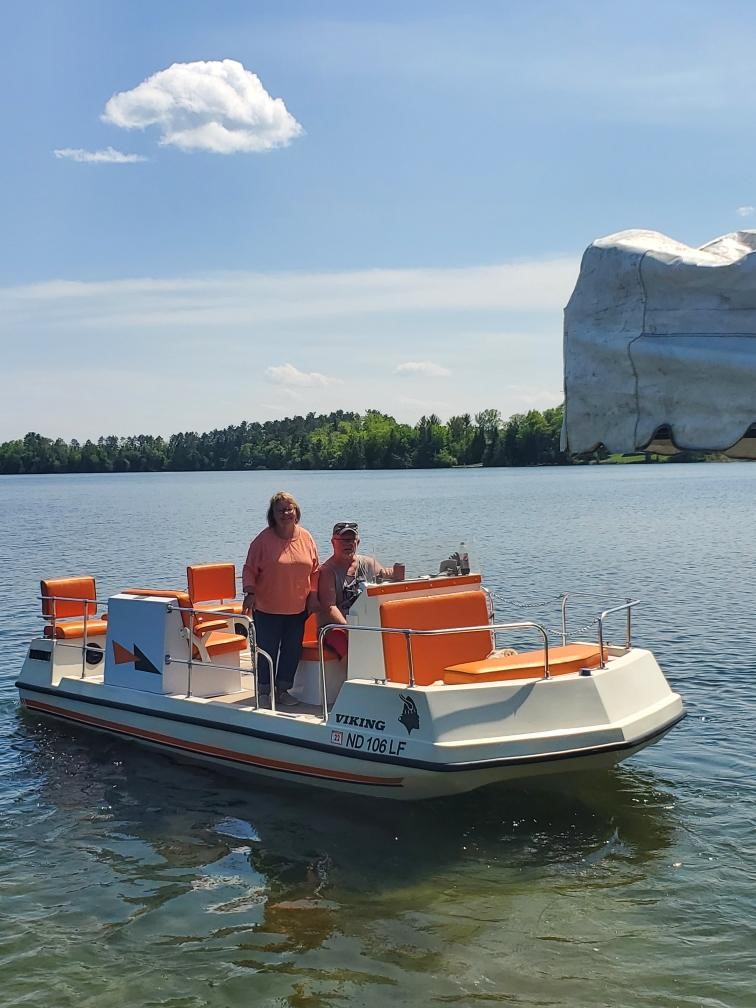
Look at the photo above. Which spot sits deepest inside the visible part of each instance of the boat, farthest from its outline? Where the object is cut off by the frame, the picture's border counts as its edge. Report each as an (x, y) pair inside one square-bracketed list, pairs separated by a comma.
[(430, 700)]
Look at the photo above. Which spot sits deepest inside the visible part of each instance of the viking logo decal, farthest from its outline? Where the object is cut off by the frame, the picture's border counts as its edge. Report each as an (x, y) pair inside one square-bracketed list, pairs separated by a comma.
[(409, 716)]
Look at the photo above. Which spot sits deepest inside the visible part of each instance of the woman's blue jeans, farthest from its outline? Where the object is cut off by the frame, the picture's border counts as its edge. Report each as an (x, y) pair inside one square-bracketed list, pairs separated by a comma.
[(281, 636)]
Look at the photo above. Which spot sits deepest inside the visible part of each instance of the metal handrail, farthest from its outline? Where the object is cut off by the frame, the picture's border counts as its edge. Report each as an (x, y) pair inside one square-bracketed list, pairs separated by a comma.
[(608, 612), (489, 602), (84, 646), (627, 605), (409, 634), (255, 651), (564, 619), (68, 598), (52, 620)]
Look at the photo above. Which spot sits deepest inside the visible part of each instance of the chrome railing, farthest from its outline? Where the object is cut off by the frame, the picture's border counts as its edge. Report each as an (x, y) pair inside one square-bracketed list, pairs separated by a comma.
[(409, 634), (195, 640), (52, 621), (84, 645), (257, 653), (625, 607)]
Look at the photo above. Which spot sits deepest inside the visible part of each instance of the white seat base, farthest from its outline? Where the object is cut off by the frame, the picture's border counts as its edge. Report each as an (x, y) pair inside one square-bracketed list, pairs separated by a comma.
[(307, 686)]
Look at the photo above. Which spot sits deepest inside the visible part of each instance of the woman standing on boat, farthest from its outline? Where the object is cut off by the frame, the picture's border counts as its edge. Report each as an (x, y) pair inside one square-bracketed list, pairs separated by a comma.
[(280, 580)]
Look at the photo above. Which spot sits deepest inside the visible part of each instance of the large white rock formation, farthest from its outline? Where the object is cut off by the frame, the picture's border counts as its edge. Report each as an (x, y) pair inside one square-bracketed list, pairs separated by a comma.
[(661, 335)]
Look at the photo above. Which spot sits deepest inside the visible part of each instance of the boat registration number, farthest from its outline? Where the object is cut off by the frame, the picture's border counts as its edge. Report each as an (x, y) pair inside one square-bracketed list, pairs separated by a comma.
[(368, 743)]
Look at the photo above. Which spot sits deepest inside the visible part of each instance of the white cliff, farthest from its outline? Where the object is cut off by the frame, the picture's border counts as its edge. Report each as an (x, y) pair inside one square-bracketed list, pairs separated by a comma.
[(661, 335)]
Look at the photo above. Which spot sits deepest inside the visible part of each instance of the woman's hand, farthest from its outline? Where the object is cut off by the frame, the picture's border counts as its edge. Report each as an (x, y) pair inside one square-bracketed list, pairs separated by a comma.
[(313, 603), (248, 604)]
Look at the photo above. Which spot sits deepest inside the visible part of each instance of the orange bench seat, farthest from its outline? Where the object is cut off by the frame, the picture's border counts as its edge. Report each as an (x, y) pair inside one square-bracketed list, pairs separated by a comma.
[(74, 629), (525, 665)]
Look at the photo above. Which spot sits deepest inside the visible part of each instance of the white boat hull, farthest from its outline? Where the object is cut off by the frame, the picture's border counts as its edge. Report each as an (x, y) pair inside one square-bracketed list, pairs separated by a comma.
[(367, 746)]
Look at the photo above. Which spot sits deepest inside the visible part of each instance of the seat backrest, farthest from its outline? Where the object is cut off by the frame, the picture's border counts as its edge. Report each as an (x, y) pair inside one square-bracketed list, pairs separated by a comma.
[(310, 635), (64, 598), (432, 654), (211, 582)]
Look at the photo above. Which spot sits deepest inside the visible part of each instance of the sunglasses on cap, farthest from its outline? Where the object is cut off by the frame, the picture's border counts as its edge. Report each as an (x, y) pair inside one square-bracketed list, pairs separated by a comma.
[(341, 527)]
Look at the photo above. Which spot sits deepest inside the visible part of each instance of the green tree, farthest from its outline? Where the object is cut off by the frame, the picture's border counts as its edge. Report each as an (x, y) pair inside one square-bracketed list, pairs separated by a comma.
[(431, 450), (460, 436)]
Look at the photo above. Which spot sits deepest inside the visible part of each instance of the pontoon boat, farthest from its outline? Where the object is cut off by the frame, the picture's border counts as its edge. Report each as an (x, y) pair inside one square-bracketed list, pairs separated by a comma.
[(426, 702)]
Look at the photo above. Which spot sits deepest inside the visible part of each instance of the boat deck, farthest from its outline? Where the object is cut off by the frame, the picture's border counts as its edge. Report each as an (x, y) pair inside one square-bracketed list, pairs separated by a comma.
[(245, 700)]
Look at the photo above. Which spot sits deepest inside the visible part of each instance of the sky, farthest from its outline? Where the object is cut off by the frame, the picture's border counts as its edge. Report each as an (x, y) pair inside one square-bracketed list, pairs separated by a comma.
[(224, 211)]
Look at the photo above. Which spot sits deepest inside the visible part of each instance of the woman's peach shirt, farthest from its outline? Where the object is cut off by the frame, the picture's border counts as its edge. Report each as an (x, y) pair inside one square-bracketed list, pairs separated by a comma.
[(283, 572)]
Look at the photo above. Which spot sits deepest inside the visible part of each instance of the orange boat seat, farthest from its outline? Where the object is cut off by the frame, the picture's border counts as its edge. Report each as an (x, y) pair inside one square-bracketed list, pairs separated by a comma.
[(212, 587), (310, 649), (65, 601), (432, 655), (74, 629), (525, 665)]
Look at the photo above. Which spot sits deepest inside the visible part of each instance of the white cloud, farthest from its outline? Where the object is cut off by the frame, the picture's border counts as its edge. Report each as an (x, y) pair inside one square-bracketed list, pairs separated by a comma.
[(287, 374), (500, 325), (248, 299), (108, 156), (216, 106), (745, 211), (427, 368)]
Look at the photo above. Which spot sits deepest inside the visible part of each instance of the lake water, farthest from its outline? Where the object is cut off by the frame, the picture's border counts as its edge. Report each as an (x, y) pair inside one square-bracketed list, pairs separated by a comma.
[(128, 878)]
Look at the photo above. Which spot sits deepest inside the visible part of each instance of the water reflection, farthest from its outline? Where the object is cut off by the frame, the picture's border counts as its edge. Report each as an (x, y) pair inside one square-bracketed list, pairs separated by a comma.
[(307, 849), (186, 871)]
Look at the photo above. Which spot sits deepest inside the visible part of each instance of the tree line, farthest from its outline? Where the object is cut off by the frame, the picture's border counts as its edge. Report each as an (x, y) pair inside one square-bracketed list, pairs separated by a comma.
[(340, 440)]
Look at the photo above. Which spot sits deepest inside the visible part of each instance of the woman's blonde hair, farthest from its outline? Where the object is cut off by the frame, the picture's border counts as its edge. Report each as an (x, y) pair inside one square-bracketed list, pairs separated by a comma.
[(282, 497)]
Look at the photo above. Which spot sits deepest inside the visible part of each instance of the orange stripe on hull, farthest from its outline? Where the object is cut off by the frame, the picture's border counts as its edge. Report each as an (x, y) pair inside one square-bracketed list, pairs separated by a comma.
[(238, 757)]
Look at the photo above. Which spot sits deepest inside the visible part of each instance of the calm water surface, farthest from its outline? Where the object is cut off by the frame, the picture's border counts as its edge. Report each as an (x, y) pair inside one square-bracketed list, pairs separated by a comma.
[(127, 878)]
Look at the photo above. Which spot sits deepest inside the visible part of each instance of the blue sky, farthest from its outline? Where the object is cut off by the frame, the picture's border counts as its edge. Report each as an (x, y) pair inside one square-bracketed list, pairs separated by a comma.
[(245, 210)]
